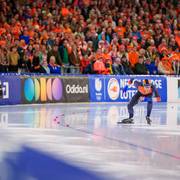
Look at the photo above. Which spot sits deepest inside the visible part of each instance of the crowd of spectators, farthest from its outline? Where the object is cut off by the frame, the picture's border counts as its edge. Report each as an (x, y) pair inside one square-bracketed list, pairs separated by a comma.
[(90, 36)]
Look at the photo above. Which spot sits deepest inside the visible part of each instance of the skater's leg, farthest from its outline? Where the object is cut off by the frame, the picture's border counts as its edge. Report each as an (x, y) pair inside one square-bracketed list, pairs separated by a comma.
[(132, 103), (149, 108)]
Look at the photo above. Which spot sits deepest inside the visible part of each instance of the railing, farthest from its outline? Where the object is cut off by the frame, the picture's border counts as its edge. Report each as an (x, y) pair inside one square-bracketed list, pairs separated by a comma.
[(70, 70)]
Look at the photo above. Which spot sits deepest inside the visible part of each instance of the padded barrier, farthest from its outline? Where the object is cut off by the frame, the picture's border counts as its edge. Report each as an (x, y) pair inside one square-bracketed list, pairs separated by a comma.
[(40, 88)]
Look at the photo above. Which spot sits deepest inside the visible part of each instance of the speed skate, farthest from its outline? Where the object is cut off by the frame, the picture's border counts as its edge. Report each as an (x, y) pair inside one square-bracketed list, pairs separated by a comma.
[(126, 121)]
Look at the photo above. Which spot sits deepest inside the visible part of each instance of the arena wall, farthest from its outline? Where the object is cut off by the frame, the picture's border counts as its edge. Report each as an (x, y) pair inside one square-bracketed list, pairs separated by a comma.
[(33, 89)]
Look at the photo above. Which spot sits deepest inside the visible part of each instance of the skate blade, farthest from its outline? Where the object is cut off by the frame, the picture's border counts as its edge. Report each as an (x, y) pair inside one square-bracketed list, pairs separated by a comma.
[(120, 122)]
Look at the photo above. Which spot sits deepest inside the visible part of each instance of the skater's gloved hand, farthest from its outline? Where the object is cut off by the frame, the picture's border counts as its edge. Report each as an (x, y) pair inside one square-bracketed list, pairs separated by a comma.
[(158, 99), (125, 88)]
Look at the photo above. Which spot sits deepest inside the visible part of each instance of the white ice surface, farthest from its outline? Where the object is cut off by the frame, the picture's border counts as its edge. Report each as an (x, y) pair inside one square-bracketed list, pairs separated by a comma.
[(94, 141)]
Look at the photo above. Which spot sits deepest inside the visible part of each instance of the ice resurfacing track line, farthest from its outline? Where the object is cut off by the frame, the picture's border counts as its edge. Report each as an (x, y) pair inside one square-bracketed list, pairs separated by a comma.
[(123, 142)]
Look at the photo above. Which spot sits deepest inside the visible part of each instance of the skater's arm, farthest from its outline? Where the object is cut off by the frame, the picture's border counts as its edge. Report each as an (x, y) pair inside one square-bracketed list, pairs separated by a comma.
[(131, 81), (156, 93), (135, 83)]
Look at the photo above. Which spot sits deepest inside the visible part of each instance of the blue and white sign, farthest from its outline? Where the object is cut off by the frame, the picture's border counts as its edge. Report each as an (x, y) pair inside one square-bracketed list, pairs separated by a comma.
[(159, 82), (96, 89), (11, 87), (110, 88)]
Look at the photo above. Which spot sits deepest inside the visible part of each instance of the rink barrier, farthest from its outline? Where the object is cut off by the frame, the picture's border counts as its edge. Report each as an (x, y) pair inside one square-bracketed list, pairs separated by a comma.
[(41, 88)]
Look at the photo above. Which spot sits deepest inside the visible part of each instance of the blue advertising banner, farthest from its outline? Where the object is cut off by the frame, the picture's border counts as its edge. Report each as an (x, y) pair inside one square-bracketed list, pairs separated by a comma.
[(11, 86), (114, 87), (97, 88), (110, 88)]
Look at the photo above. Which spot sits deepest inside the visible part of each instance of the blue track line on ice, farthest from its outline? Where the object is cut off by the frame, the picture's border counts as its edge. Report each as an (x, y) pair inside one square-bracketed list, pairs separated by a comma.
[(125, 142)]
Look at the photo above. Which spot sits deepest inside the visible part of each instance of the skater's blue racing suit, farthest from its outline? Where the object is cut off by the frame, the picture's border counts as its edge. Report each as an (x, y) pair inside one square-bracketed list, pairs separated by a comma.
[(145, 89)]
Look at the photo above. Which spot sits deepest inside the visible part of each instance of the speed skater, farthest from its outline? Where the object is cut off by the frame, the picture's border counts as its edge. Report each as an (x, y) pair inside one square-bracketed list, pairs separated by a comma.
[(145, 90)]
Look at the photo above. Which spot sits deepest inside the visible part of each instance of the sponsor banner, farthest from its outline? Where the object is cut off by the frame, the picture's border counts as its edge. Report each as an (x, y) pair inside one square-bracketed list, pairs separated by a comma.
[(76, 89), (114, 87), (11, 90), (96, 89), (42, 90)]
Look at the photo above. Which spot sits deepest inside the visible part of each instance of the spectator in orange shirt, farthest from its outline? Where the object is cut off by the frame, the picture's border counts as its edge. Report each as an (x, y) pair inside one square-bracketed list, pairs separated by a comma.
[(133, 56), (99, 66), (120, 29)]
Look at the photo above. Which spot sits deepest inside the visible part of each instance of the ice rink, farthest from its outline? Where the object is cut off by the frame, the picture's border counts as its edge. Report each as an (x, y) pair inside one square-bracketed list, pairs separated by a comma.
[(83, 141)]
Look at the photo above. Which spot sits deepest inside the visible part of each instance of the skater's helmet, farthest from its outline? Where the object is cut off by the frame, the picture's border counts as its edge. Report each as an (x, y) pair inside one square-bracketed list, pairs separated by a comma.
[(146, 82)]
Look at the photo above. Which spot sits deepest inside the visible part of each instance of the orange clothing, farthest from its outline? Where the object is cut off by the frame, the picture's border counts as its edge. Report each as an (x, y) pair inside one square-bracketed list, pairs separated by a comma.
[(162, 47), (2, 43), (33, 11), (44, 36), (57, 30), (133, 57), (167, 65), (2, 30), (86, 2), (69, 49), (146, 35), (16, 31), (120, 31), (145, 90), (99, 66), (167, 31), (175, 56), (31, 34), (67, 30), (106, 57), (177, 38), (165, 58), (65, 11), (98, 55), (7, 26), (84, 63)]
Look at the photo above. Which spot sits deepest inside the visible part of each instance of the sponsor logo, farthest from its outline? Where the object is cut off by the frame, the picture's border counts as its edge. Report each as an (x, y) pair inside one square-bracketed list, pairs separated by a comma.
[(42, 89), (113, 89), (5, 89), (98, 84), (76, 89)]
